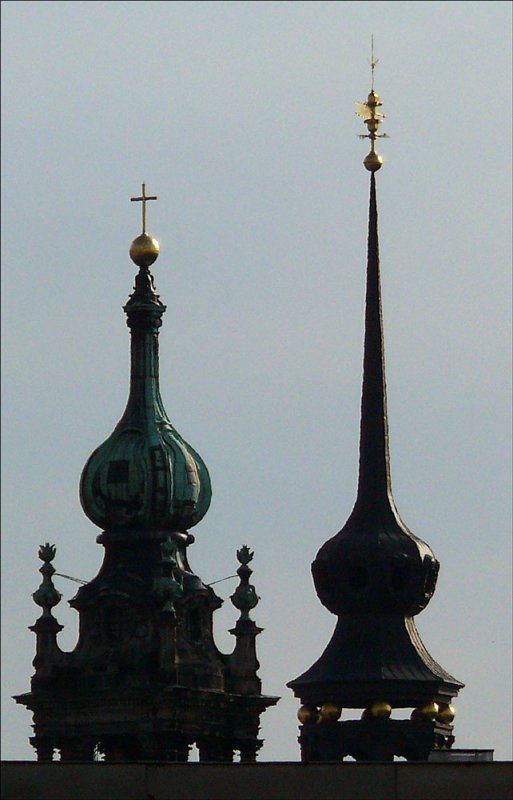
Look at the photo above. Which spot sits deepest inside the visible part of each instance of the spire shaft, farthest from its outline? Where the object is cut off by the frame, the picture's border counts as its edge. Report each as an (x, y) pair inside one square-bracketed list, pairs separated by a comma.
[(374, 484), (144, 400), (144, 312)]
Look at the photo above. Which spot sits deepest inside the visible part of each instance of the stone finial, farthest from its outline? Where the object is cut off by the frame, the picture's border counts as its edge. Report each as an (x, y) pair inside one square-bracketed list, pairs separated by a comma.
[(47, 595), (244, 597), (46, 627)]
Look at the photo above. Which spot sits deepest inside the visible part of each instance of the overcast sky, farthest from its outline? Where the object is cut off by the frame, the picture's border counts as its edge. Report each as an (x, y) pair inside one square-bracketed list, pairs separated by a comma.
[(240, 117)]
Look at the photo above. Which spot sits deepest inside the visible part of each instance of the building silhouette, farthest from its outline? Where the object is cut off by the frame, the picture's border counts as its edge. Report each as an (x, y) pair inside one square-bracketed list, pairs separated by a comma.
[(146, 681)]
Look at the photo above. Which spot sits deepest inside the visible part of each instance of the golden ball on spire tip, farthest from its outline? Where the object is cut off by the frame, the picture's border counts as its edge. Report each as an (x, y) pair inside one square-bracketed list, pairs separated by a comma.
[(144, 250), (373, 161)]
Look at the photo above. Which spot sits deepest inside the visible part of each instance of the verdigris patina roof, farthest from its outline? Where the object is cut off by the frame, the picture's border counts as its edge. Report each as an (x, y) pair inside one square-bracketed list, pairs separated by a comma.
[(145, 476)]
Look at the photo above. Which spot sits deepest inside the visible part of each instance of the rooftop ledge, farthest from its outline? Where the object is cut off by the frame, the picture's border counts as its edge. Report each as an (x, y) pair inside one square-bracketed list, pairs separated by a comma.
[(478, 779)]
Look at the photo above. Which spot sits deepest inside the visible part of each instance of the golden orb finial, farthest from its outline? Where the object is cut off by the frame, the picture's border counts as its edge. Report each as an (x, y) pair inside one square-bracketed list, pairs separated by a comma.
[(380, 709), (428, 712), (372, 118), (446, 714), (373, 161), (144, 250), (308, 715), (330, 712)]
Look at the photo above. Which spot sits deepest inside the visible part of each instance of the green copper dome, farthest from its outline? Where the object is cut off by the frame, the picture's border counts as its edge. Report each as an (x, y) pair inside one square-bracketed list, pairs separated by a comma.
[(145, 479)]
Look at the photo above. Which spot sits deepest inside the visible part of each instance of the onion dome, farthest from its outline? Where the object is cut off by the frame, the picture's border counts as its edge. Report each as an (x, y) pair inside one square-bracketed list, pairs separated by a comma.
[(145, 478)]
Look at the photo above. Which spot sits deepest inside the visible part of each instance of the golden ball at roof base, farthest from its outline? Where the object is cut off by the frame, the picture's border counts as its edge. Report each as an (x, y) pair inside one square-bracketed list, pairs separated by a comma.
[(446, 714), (330, 712), (381, 709), (429, 711), (144, 250), (307, 715)]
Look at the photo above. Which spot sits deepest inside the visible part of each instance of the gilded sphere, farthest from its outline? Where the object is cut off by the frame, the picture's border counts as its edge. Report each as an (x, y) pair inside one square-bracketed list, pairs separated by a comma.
[(330, 712), (144, 250), (373, 161), (429, 711), (381, 709), (307, 715), (446, 714)]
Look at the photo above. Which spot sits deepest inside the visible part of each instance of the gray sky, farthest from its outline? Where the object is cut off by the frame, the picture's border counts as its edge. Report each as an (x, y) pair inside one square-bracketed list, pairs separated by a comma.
[(240, 117)]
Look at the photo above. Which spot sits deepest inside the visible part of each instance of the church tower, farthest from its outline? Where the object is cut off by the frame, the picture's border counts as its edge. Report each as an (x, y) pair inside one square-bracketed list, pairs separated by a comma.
[(145, 680), (375, 576)]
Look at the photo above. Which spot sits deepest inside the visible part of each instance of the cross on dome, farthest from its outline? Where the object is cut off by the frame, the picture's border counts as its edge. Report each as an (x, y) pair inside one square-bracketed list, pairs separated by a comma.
[(144, 198)]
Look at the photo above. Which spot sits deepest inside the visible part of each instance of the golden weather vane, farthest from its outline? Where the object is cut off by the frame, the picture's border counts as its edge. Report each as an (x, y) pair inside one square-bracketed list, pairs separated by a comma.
[(372, 118), (144, 200)]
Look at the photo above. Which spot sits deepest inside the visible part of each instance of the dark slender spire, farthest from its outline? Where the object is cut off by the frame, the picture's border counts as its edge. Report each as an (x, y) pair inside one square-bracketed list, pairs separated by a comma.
[(374, 484), (375, 575)]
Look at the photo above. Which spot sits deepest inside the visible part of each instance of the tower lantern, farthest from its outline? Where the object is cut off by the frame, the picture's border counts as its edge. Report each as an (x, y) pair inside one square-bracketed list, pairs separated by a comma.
[(145, 680)]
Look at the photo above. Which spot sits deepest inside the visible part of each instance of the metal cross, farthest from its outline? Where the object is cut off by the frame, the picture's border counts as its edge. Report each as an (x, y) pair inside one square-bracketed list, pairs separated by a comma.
[(144, 199)]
